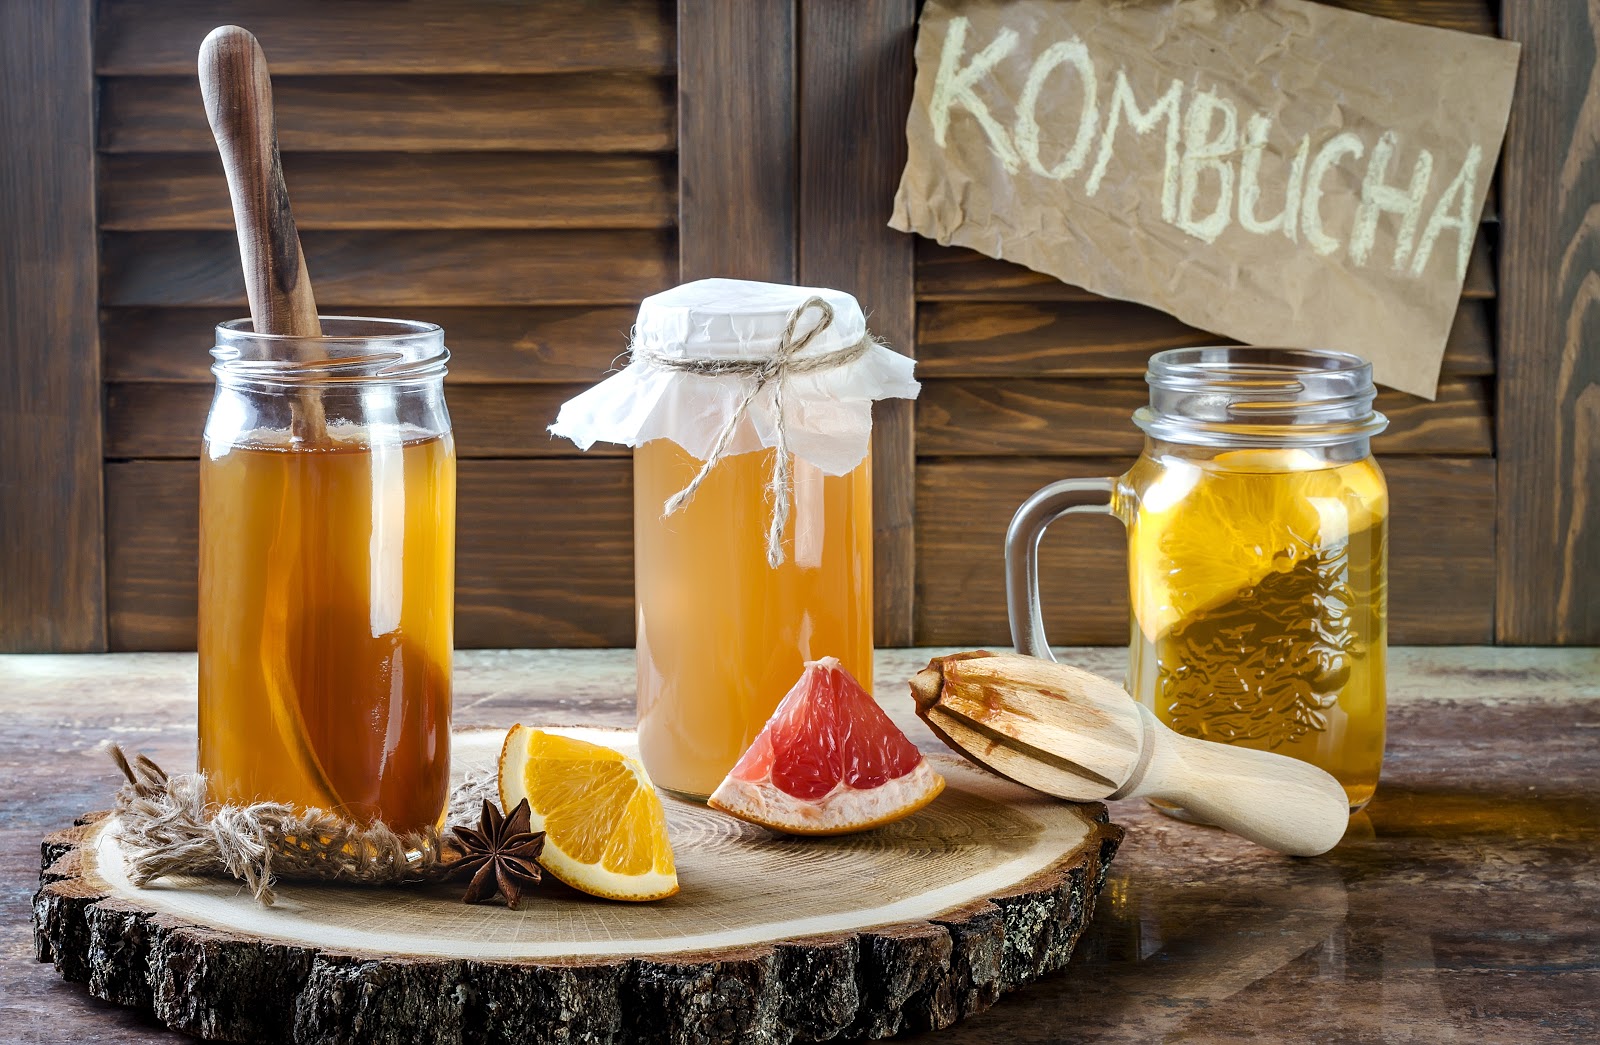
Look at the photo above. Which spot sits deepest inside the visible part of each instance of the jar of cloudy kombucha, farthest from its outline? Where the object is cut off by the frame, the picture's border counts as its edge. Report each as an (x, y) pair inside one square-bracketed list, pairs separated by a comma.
[(327, 570), (750, 408), (1257, 553)]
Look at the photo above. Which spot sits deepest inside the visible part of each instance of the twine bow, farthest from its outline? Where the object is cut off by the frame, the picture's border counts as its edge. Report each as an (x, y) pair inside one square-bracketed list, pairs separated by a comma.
[(774, 370)]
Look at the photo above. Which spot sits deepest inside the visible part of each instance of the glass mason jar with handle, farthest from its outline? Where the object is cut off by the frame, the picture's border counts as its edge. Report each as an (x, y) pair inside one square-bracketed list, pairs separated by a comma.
[(1257, 545), (327, 571)]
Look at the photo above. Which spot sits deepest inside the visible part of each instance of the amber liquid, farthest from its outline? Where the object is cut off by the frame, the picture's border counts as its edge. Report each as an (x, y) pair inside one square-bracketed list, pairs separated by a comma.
[(1260, 606), (722, 636), (326, 601)]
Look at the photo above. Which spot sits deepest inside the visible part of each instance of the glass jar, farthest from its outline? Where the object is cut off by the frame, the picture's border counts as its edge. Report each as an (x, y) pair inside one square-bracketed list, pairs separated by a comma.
[(749, 406), (1257, 536), (327, 571), (722, 635)]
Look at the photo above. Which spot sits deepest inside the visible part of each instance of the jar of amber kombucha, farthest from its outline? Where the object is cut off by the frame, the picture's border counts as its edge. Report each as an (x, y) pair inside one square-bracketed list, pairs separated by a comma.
[(327, 563), (750, 408), (1257, 541)]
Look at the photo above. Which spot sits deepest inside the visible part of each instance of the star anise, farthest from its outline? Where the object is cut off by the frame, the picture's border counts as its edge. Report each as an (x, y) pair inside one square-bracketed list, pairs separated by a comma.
[(499, 855)]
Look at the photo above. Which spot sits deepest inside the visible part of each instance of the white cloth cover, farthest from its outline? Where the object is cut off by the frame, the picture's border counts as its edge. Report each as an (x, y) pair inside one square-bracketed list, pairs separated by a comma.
[(828, 414)]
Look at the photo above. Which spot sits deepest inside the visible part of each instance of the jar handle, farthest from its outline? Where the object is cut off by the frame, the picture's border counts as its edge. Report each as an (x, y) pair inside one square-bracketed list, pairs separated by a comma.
[(1067, 497)]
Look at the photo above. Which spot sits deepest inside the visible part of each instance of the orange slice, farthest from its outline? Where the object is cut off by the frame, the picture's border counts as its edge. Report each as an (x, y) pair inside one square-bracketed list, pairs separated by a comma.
[(828, 762), (605, 832)]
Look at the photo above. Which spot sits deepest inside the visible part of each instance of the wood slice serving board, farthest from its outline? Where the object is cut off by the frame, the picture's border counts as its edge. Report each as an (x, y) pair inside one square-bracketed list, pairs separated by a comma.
[(911, 926)]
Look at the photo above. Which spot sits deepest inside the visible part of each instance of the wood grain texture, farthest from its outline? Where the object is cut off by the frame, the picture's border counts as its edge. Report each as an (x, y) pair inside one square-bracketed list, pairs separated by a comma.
[(185, 191), (1046, 339), (586, 112), (159, 37), (855, 86), (52, 595), (1106, 339), (1480, 282), (1549, 392), (543, 553), (1508, 714), (738, 152), (579, 267), (487, 344), (1470, 16), (1086, 418), (164, 420), (957, 274), (1023, 896), (152, 554), (1441, 565), (1470, 348)]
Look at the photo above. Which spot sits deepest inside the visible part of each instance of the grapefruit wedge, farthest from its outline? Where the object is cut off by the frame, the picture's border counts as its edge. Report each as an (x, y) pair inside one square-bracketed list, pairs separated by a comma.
[(828, 762)]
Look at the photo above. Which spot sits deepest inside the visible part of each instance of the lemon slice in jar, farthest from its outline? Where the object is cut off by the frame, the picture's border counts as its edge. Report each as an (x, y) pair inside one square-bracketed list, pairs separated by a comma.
[(1206, 532)]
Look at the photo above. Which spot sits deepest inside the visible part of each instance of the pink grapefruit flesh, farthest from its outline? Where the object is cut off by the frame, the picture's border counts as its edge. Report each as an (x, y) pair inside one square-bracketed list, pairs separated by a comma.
[(828, 762)]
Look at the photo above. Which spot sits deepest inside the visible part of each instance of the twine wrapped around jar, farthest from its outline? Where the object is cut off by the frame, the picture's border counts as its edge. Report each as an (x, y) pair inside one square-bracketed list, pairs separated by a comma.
[(168, 825)]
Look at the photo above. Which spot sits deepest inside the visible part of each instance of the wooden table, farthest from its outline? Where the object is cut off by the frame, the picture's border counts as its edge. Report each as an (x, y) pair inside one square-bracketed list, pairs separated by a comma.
[(1464, 904)]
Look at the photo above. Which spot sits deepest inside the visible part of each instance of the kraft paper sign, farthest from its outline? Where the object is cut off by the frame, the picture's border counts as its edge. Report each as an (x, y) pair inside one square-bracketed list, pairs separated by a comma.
[(1277, 171)]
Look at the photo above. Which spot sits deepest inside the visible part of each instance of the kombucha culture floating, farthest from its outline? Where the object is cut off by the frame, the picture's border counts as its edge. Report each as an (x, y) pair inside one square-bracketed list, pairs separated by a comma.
[(750, 408)]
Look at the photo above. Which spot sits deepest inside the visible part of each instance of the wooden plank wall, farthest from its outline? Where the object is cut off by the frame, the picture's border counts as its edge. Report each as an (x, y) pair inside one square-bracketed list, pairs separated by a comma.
[(507, 172), (1549, 395), (52, 582), (855, 89), (517, 180)]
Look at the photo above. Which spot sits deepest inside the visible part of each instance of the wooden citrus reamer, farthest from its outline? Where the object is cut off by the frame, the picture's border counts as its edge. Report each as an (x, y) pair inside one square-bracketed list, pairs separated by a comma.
[(238, 96), (1075, 735)]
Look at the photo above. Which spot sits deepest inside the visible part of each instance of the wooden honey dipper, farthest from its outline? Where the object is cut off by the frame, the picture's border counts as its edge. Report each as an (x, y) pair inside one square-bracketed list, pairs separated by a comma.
[(1074, 735), (238, 96)]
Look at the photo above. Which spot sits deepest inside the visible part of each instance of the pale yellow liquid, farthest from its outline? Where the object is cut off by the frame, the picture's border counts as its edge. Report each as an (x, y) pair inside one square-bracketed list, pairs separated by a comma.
[(722, 636), (1259, 605), (326, 601)]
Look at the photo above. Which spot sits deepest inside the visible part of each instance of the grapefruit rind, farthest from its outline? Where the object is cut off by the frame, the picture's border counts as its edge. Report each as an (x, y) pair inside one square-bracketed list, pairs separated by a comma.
[(587, 877), (844, 810)]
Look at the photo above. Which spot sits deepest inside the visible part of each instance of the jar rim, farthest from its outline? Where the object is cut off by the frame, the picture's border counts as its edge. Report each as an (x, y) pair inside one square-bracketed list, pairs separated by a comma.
[(351, 349), (243, 329), (1240, 395), (1232, 363)]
